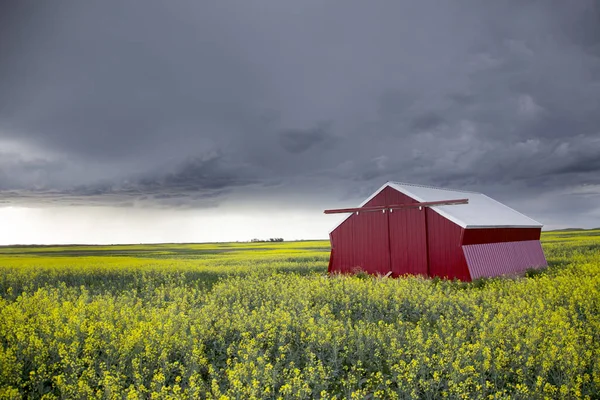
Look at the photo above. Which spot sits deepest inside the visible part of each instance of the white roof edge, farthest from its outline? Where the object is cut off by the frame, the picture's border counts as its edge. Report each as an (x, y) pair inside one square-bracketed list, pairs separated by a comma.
[(398, 187), (433, 187), (452, 218), (494, 200), (360, 205), (401, 189), (371, 197)]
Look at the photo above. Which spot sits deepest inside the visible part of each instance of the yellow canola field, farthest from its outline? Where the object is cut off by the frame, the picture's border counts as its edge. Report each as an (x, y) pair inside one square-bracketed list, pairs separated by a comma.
[(264, 321)]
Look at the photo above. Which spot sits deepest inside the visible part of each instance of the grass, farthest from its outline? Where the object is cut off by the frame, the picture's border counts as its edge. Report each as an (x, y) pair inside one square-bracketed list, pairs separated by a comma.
[(263, 320)]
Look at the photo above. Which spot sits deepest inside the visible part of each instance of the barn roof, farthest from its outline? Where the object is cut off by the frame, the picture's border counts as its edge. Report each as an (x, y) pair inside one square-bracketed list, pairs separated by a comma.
[(481, 211)]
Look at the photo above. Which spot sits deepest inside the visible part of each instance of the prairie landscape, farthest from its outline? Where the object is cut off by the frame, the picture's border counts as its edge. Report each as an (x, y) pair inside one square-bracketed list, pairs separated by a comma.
[(201, 125), (265, 321)]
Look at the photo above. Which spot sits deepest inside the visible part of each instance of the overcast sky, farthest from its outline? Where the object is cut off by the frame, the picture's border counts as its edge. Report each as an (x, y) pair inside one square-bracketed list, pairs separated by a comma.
[(135, 121)]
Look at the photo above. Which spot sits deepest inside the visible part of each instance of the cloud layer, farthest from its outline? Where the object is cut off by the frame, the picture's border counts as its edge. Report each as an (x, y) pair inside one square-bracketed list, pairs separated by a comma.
[(183, 104)]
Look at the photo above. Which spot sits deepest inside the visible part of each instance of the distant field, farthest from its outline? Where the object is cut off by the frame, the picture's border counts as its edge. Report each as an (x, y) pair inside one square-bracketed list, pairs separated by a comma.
[(118, 268), (262, 320)]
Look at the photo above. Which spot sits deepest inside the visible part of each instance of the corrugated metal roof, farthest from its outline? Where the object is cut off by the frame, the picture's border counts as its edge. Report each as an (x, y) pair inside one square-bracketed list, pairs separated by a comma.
[(494, 259), (481, 212)]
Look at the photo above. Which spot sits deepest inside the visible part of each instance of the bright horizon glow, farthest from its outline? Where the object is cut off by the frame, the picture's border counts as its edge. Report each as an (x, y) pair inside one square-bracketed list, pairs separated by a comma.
[(100, 225)]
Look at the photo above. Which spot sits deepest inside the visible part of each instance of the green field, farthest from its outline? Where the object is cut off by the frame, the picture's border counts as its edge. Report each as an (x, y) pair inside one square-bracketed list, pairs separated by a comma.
[(263, 320)]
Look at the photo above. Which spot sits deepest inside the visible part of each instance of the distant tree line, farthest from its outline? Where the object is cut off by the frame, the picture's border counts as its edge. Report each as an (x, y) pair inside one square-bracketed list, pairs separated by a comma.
[(268, 240)]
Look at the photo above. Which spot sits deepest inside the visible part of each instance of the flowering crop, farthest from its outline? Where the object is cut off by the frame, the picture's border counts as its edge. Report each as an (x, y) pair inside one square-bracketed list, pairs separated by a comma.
[(254, 321)]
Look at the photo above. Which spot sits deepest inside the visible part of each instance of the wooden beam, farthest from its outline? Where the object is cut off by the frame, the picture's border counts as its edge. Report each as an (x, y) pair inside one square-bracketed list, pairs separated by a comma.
[(398, 206)]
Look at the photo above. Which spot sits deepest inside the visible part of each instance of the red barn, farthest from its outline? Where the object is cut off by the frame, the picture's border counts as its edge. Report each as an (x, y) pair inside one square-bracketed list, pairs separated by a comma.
[(422, 230)]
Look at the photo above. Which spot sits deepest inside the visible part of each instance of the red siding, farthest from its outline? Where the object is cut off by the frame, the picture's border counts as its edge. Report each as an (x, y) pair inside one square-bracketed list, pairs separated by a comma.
[(494, 235), (362, 242), (370, 242), (341, 239), (393, 197), (408, 242), (387, 197), (446, 258), (507, 258), (367, 240), (408, 246)]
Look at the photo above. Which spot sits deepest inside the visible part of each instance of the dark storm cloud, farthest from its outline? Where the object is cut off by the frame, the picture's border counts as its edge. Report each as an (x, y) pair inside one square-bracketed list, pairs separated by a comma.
[(195, 182), (183, 103), (426, 122), (298, 141)]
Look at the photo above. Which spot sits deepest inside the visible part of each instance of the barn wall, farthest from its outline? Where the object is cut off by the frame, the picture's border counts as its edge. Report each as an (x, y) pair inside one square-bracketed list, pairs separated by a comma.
[(367, 240), (361, 241), (341, 244), (504, 258), (393, 197), (378, 200), (408, 248), (370, 244), (497, 235), (408, 242), (407, 236), (446, 258)]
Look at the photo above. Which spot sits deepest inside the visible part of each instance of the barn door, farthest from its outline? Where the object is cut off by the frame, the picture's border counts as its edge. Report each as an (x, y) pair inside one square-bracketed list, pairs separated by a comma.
[(408, 241), (371, 242)]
